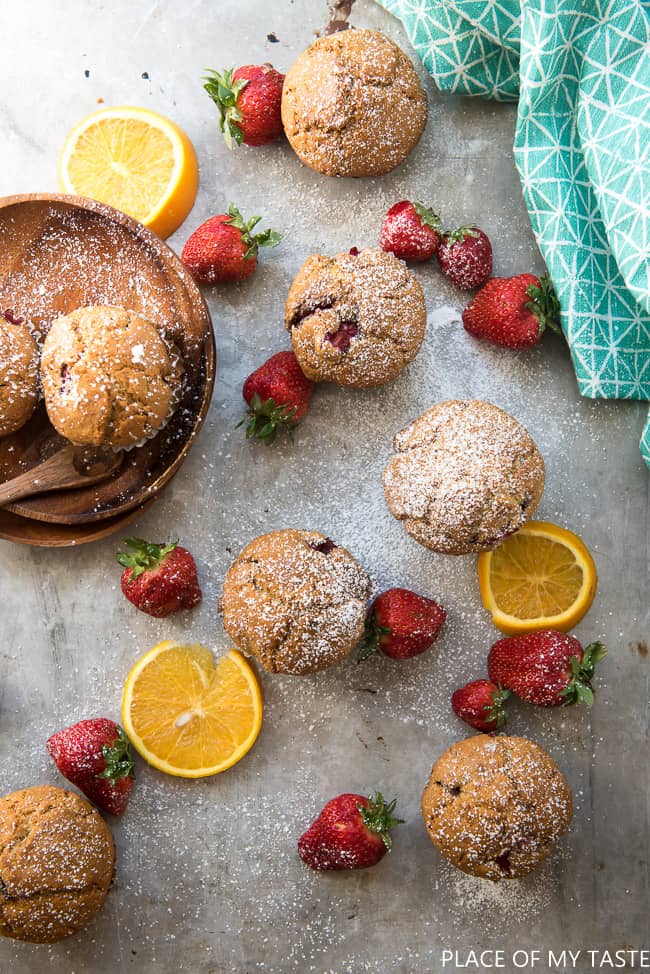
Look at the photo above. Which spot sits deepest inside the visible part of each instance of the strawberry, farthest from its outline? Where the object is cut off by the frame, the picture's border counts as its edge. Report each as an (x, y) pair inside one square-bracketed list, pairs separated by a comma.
[(547, 668), (411, 231), (225, 249), (351, 832), (401, 624), (248, 100), (95, 755), (159, 579), (465, 257), (278, 394), (480, 704), (513, 311)]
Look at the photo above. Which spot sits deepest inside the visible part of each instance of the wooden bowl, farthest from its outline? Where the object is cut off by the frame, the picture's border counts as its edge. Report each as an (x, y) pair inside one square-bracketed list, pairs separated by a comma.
[(61, 252)]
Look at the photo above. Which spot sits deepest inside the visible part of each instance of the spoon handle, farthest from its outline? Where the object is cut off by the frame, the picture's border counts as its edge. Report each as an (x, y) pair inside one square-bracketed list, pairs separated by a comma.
[(45, 476)]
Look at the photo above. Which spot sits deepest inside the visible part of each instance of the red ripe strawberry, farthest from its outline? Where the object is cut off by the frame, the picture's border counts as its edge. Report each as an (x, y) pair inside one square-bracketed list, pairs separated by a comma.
[(411, 231), (159, 579), (465, 257), (351, 832), (278, 394), (225, 249), (547, 668), (248, 100), (513, 311), (480, 704), (401, 624), (95, 755)]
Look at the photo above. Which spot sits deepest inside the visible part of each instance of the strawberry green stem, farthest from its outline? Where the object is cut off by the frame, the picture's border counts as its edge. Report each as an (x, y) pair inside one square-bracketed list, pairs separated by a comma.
[(544, 305), (496, 711), (225, 92), (144, 555), (267, 238), (378, 817), (458, 235), (118, 759), (428, 217), (266, 417), (579, 689), (371, 641)]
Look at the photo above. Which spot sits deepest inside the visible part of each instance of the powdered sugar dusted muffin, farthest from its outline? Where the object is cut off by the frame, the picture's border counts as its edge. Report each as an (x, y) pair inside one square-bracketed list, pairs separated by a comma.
[(18, 373), (496, 806), (356, 319), (109, 377), (57, 858), (296, 601), (352, 105), (466, 475)]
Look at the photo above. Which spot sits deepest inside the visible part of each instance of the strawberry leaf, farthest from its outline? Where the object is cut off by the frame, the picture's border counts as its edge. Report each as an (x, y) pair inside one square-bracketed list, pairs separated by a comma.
[(266, 417), (225, 92), (496, 711), (459, 235), (544, 305), (267, 238), (371, 642), (378, 817), (579, 688), (428, 217), (118, 759), (144, 555)]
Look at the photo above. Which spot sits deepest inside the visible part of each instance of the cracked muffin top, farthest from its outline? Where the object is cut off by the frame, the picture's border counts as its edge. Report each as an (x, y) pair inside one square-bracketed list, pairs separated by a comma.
[(352, 105), (18, 373), (495, 806), (56, 863), (356, 319), (296, 601), (109, 377), (465, 476)]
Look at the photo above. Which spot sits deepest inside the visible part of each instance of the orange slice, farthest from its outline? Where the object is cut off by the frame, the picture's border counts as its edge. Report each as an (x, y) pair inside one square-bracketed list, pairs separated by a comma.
[(135, 160), (542, 577), (189, 716)]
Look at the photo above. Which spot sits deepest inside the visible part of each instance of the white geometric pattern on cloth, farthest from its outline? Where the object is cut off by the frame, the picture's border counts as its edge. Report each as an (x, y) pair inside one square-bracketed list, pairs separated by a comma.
[(582, 147)]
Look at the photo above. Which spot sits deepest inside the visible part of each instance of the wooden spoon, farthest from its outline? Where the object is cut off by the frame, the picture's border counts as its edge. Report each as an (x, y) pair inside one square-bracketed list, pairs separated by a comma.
[(73, 466)]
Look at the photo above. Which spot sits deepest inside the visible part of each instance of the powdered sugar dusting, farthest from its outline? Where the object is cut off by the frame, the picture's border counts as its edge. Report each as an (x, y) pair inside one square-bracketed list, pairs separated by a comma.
[(296, 601), (356, 319)]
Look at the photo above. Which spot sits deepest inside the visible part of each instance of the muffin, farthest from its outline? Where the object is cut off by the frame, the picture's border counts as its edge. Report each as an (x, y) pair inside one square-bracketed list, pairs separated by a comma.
[(466, 475), (352, 105), (57, 858), (356, 319), (18, 374), (109, 377), (496, 806), (296, 601)]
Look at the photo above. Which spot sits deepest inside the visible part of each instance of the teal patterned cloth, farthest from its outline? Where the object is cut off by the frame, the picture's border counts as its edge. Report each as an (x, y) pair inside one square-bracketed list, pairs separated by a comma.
[(580, 70)]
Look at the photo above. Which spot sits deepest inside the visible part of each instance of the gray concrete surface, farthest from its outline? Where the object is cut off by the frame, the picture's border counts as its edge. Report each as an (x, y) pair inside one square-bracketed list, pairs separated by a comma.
[(208, 879)]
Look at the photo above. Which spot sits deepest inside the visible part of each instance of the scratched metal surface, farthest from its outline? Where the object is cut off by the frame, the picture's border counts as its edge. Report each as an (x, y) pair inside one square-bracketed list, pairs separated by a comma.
[(207, 878)]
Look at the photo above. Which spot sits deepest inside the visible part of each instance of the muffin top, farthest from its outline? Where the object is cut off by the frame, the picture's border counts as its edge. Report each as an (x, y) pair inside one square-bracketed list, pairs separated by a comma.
[(352, 104), (56, 863), (356, 319), (495, 806), (109, 377), (466, 475), (296, 601), (19, 385)]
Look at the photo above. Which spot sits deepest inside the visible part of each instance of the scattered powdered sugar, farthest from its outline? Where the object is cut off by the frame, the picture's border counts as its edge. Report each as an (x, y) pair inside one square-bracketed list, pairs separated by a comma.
[(295, 600), (208, 876)]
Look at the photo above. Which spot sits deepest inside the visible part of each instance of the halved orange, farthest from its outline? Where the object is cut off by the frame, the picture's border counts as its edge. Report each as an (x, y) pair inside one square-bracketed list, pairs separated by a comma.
[(188, 715), (135, 160), (541, 577)]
